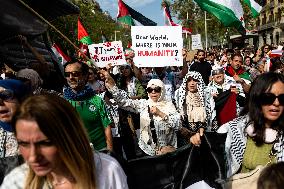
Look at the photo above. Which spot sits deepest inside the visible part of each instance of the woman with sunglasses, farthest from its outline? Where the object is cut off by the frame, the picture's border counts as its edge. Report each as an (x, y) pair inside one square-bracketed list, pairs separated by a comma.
[(12, 93), (257, 137), (159, 119), (57, 152)]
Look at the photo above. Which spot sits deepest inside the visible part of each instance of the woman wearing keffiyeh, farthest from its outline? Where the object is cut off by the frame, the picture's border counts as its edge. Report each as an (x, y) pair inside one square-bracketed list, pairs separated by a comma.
[(189, 99)]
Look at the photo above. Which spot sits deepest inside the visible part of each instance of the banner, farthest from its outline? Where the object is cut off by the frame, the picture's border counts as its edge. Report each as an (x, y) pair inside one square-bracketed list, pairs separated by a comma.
[(196, 42), (106, 53), (157, 46)]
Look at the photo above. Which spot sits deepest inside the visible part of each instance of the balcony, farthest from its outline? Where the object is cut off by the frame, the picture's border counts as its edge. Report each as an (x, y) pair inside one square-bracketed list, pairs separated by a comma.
[(269, 25)]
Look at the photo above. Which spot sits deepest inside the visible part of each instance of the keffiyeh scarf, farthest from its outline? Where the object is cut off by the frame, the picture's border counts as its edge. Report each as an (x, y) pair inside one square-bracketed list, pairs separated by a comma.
[(84, 94)]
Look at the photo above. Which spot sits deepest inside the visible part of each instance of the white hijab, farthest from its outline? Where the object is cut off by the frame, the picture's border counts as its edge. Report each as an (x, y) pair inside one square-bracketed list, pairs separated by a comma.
[(163, 105)]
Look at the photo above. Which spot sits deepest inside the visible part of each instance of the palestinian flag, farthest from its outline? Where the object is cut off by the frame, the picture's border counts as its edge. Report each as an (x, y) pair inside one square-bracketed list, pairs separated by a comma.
[(230, 13), (61, 56), (168, 17), (83, 35), (226, 103), (255, 6), (169, 21), (126, 15)]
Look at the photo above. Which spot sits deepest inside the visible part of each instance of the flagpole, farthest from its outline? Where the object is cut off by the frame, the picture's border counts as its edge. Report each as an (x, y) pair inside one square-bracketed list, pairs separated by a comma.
[(186, 32), (55, 29), (206, 40)]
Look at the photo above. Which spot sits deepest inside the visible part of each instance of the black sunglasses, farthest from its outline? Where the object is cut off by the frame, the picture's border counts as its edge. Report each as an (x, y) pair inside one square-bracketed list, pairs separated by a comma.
[(74, 74), (156, 89), (269, 98), (6, 95)]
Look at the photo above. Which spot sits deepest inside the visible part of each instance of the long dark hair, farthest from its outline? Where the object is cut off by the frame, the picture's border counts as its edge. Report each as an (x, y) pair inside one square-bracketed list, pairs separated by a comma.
[(262, 84), (122, 80)]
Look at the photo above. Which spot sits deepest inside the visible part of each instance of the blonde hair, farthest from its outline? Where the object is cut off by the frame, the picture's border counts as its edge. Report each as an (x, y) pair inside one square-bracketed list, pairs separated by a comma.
[(59, 121)]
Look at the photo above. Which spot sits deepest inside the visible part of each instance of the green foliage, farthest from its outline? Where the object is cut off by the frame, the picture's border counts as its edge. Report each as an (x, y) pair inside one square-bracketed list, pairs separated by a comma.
[(95, 21), (249, 20)]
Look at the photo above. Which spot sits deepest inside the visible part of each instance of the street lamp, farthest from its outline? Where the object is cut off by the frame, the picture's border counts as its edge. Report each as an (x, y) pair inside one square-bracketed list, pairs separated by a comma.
[(206, 38)]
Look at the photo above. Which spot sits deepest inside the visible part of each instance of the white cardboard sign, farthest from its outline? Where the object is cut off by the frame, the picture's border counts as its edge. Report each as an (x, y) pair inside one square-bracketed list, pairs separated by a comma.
[(106, 53), (157, 46), (196, 42)]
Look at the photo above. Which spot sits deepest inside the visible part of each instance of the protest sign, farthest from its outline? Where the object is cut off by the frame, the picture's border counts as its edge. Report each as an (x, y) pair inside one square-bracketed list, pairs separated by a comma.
[(157, 46), (196, 42), (106, 53)]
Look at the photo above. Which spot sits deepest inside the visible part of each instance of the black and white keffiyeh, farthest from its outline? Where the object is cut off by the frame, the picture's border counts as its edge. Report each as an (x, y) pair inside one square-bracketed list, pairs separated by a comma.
[(181, 92), (236, 143)]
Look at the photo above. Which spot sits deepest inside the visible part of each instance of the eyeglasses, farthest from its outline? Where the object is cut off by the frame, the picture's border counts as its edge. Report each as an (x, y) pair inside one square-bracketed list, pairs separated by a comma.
[(6, 94), (156, 89), (269, 98), (74, 74)]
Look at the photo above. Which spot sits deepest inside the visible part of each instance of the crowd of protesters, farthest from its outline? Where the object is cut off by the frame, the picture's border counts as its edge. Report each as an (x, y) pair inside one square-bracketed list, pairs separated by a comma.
[(137, 112)]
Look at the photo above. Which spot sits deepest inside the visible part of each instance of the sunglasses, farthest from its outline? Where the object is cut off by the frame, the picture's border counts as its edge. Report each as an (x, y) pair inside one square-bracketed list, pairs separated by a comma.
[(156, 89), (74, 74), (6, 95), (269, 98)]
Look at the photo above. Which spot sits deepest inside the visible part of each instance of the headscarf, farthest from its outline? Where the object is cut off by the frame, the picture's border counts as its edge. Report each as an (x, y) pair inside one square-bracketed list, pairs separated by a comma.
[(19, 89), (161, 104), (31, 75), (180, 93)]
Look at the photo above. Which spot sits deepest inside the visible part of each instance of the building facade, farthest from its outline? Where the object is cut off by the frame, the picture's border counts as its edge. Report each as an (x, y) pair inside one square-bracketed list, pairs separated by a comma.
[(270, 23)]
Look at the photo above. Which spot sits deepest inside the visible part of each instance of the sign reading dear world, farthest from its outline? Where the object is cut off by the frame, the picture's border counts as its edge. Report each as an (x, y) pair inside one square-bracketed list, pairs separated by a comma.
[(103, 54), (157, 46)]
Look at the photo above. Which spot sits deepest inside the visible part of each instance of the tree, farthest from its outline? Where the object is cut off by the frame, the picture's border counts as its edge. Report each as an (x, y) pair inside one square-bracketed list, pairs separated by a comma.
[(94, 20)]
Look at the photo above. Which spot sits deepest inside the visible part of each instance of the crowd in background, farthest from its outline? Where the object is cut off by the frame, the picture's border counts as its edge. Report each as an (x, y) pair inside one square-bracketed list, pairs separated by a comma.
[(137, 112)]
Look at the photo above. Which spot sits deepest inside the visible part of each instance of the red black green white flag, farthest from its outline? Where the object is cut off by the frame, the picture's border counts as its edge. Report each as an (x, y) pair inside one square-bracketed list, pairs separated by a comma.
[(83, 35), (126, 15), (169, 21)]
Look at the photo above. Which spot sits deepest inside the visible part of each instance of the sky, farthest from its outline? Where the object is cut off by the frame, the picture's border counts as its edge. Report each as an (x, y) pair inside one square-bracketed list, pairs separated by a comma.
[(149, 8)]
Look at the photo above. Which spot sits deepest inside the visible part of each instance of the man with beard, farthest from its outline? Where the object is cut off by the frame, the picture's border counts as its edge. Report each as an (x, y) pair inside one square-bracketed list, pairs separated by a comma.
[(201, 66), (239, 74), (224, 98), (90, 107)]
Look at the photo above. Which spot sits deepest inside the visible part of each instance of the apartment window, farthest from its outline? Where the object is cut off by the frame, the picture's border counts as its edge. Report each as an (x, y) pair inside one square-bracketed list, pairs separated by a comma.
[(278, 17), (258, 22), (271, 17), (263, 19)]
